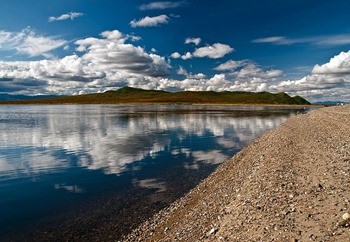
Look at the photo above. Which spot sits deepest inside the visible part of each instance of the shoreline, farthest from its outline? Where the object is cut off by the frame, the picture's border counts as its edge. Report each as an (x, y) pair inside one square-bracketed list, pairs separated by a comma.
[(4, 103), (295, 188)]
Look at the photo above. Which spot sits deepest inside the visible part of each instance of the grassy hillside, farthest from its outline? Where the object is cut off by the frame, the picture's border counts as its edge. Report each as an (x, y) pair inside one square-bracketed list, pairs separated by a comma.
[(301, 100), (139, 96)]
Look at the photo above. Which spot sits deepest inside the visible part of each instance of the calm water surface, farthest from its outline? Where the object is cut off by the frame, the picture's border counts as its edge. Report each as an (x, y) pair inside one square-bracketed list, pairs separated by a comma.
[(95, 171)]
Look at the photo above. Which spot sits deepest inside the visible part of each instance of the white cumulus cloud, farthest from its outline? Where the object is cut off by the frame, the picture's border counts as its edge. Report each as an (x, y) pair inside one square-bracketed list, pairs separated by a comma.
[(231, 65), (189, 75), (150, 21), (195, 41), (175, 55), (329, 81), (71, 16), (187, 56), (214, 51), (105, 63), (248, 76), (339, 64), (112, 60)]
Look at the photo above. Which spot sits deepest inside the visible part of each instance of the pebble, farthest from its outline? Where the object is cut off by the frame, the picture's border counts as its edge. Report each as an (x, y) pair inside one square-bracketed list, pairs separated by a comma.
[(346, 216), (345, 221), (213, 231)]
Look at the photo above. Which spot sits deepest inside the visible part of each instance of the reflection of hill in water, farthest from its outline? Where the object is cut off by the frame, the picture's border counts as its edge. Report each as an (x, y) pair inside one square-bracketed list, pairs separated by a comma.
[(111, 137)]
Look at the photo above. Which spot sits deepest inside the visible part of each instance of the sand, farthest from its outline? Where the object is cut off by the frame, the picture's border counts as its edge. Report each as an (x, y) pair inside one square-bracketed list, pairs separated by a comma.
[(291, 184)]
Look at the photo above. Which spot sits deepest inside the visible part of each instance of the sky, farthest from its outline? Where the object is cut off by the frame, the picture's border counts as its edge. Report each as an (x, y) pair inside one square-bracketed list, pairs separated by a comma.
[(69, 47)]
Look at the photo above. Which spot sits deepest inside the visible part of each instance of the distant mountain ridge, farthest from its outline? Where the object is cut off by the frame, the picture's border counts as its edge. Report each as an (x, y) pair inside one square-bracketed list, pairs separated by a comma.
[(9, 97), (130, 95), (331, 103)]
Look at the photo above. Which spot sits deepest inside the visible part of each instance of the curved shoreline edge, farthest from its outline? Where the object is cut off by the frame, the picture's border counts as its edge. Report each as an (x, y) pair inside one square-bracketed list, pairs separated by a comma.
[(291, 184)]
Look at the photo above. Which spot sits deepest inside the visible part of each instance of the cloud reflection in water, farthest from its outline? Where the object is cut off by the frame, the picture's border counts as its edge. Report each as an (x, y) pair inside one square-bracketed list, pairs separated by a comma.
[(36, 139), (151, 184), (69, 188)]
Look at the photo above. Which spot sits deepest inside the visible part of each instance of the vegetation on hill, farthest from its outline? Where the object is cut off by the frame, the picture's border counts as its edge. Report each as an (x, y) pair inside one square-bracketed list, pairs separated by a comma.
[(139, 96), (301, 100)]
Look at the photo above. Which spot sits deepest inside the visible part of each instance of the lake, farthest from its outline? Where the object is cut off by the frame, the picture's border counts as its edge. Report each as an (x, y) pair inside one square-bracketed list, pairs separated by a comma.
[(87, 172)]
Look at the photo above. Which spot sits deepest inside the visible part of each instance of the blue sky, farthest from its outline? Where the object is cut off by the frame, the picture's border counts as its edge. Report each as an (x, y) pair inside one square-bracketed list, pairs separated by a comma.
[(81, 46)]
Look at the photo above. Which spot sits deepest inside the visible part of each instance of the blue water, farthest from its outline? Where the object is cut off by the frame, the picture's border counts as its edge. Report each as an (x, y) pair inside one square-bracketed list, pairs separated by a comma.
[(79, 171)]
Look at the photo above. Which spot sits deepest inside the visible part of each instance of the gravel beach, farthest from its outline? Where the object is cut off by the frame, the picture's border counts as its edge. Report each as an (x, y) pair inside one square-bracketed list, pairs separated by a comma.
[(291, 184)]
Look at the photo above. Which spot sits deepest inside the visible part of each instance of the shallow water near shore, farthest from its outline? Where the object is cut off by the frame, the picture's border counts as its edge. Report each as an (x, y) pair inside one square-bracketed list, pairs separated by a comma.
[(96, 171)]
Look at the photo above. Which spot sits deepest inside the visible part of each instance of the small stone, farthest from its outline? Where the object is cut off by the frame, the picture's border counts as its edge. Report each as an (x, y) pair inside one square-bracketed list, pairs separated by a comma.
[(313, 237), (346, 216), (345, 220), (213, 231)]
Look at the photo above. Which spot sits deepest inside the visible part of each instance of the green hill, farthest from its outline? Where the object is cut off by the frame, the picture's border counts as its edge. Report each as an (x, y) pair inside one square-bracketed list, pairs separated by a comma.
[(129, 95), (301, 100)]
